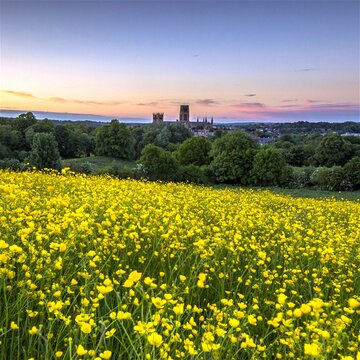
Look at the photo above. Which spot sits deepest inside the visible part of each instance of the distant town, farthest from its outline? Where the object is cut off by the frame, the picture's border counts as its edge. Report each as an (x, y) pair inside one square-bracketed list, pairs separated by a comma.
[(204, 126), (263, 133)]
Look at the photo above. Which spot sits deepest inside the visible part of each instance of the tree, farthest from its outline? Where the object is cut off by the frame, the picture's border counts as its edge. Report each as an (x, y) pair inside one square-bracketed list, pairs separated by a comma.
[(163, 137), (352, 172), (194, 174), (301, 176), (85, 144), (332, 150), (9, 137), (23, 121), (66, 139), (286, 138), (194, 151), (270, 168), (159, 164), (148, 136), (115, 140), (218, 133), (295, 155), (310, 146), (21, 124), (5, 152), (232, 157), (138, 134), (179, 133), (42, 126), (44, 152), (330, 178)]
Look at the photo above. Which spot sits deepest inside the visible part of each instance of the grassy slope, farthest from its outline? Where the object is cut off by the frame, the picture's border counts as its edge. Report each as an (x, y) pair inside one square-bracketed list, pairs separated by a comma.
[(305, 193), (316, 193), (101, 162)]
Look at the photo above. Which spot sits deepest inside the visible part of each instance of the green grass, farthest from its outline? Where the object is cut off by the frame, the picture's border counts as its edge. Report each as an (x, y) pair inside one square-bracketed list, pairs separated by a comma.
[(316, 193), (303, 193), (101, 162)]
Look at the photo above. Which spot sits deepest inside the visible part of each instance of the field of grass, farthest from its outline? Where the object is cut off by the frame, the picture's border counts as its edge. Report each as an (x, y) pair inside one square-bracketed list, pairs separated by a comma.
[(319, 194), (99, 268), (101, 162), (302, 193)]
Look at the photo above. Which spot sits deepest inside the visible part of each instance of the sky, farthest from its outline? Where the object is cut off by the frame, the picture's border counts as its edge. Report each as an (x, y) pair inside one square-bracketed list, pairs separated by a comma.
[(287, 60)]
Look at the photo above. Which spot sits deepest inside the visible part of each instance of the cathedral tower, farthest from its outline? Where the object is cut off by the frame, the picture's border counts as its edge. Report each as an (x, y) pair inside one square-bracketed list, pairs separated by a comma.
[(184, 115)]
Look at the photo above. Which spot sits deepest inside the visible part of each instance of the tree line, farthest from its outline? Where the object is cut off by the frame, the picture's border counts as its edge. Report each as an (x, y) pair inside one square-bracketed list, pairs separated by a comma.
[(170, 153)]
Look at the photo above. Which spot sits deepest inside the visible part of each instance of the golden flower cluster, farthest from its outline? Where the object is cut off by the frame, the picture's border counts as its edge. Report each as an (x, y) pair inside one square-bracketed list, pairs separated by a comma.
[(97, 268)]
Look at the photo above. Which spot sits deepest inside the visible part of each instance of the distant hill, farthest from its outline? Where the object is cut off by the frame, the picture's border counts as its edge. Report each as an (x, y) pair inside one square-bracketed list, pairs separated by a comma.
[(71, 116)]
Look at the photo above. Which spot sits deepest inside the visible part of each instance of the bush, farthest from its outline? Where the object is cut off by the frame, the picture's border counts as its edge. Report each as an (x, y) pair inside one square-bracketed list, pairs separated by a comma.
[(301, 176), (13, 164), (194, 174), (115, 140), (22, 155), (232, 158), (81, 167), (124, 172), (159, 164), (5, 152), (44, 152), (330, 178), (352, 172), (332, 150), (320, 177), (270, 168), (194, 151)]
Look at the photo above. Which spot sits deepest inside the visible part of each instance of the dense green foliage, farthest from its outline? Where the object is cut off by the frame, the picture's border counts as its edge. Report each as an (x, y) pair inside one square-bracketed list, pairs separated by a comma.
[(332, 150), (164, 136), (194, 151), (44, 152), (159, 164), (115, 140), (298, 155), (352, 172), (270, 168), (232, 157)]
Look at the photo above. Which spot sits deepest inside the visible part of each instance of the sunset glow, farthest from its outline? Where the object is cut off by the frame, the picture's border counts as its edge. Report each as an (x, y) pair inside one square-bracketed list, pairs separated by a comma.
[(276, 60)]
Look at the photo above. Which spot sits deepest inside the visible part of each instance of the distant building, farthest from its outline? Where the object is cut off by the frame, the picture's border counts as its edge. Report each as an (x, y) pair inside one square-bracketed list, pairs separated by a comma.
[(264, 140), (350, 134), (184, 119), (158, 118)]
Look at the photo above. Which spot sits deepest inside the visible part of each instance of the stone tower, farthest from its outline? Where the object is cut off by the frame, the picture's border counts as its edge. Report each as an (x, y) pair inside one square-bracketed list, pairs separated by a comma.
[(158, 118), (184, 115)]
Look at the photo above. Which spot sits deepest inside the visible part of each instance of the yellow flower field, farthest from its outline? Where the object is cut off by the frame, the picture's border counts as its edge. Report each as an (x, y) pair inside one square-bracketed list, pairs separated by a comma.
[(97, 268)]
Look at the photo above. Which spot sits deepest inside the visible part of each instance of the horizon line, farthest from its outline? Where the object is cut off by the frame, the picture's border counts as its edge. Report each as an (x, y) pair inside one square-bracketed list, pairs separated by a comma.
[(104, 118)]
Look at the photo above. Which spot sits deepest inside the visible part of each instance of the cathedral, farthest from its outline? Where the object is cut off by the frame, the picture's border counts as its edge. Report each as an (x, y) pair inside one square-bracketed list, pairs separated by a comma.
[(184, 119)]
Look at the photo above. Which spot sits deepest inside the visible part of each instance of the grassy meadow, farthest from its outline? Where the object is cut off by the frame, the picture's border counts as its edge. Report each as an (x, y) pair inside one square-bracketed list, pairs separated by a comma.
[(100, 163), (318, 193), (98, 268)]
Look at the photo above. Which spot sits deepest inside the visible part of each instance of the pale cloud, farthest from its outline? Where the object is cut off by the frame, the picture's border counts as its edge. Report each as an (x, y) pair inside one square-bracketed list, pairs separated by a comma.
[(249, 106), (206, 102), (310, 110), (306, 69), (18, 93), (60, 99), (309, 101), (152, 103)]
